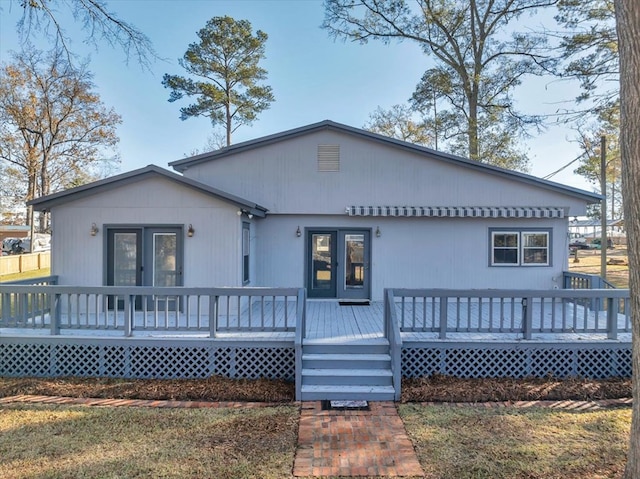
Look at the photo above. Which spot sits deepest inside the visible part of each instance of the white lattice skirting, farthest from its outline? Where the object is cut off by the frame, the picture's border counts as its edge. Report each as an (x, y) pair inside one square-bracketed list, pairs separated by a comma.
[(139, 358), (145, 359), (560, 360)]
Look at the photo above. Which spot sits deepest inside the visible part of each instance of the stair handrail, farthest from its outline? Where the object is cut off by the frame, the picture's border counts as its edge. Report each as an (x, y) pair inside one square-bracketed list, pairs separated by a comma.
[(301, 326), (392, 334)]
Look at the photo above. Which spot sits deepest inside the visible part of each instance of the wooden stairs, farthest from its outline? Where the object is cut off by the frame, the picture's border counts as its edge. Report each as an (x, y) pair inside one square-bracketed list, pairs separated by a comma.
[(352, 370)]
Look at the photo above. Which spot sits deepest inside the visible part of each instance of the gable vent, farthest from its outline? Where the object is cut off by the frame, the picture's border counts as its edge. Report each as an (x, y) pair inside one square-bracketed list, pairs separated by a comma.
[(328, 157)]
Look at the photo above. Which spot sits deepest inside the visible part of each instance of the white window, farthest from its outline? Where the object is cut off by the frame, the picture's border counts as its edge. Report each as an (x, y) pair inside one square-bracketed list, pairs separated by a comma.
[(520, 248)]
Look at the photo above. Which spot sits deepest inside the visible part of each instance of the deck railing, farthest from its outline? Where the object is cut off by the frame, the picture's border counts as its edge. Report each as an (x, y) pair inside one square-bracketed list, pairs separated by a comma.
[(301, 327), (392, 333), (38, 305), (128, 309), (522, 313), (571, 280)]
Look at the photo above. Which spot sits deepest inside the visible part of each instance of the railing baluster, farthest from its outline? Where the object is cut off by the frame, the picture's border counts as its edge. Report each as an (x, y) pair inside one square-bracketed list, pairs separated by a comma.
[(443, 316), (286, 310)]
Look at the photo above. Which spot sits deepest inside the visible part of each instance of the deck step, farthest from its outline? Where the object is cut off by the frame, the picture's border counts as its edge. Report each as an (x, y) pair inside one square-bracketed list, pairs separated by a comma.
[(355, 347), (347, 377), (352, 370), (332, 392), (346, 361)]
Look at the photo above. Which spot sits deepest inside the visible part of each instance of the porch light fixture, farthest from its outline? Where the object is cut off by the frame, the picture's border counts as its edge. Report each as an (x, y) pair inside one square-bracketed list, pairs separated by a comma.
[(298, 232), (94, 229), (250, 216), (190, 231), (378, 233)]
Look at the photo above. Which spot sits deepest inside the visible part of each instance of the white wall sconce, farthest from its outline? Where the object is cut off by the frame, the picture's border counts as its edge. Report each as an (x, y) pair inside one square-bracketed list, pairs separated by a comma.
[(94, 229), (244, 212), (298, 232), (378, 233), (190, 231)]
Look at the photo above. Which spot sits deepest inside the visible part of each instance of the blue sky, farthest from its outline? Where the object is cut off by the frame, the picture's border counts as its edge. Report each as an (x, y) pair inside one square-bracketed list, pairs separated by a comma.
[(313, 78)]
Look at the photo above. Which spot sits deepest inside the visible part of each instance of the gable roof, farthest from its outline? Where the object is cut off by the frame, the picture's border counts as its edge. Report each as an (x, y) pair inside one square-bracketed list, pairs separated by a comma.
[(150, 171), (184, 164)]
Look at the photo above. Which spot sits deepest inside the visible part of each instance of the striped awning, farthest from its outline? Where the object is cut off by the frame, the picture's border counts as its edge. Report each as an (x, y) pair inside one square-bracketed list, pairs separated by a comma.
[(458, 211)]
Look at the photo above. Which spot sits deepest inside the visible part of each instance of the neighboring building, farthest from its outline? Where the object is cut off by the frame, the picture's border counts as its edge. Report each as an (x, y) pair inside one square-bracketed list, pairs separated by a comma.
[(338, 210), (14, 231)]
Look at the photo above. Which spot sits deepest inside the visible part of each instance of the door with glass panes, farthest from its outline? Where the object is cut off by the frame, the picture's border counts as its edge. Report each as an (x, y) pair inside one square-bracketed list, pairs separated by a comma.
[(145, 256), (338, 263)]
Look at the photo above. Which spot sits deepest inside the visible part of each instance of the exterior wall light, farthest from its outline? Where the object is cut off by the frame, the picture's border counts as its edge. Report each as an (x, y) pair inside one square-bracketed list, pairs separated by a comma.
[(94, 229), (190, 231), (378, 233), (298, 232)]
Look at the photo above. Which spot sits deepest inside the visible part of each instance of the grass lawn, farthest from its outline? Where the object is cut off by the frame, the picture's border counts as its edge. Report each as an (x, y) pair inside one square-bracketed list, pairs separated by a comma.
[(101, 442), (38, 273), (501, 443), (589, 263), (451, 442)]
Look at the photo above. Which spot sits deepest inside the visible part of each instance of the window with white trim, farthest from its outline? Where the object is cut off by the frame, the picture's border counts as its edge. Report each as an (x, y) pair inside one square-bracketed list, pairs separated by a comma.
[(520, 247)]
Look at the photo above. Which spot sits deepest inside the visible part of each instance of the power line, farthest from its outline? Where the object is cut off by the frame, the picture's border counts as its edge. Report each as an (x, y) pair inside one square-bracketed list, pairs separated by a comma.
[(563, 167)]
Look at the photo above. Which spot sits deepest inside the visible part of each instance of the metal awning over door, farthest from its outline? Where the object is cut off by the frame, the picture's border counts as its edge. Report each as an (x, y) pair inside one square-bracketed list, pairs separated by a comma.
[(458, 211)]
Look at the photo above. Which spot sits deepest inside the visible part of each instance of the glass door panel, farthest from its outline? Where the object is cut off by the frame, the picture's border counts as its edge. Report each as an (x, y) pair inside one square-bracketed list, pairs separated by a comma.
[(125, 259), (354, 249), (163, 258), (321, 267), (165, 264), (354, 261)]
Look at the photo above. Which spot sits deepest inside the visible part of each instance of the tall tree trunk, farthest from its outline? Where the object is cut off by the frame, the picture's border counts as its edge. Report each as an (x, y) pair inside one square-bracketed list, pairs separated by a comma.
[(31, 193), (474, 146), (628, 23), (228, 126), (45, 187)]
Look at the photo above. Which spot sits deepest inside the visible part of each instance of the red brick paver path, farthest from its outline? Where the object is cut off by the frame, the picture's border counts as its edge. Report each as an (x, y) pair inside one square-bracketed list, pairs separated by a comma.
[(354, 443)]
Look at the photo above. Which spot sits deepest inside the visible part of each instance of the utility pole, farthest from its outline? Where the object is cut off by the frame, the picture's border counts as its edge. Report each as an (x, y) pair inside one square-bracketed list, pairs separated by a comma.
[(603, 207)]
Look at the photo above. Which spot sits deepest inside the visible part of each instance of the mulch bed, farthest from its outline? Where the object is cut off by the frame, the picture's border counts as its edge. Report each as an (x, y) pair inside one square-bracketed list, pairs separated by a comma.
[(448, 389), (432, 389)]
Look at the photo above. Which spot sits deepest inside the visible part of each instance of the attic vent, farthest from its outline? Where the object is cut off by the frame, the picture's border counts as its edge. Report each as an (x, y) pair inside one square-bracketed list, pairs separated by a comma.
[(328, 157)]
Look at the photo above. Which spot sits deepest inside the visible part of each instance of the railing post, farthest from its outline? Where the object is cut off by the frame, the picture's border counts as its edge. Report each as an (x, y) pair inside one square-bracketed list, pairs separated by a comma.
[(6, 309), (24, 307), (612, 318), (54, 314), (527, 317), (300, 333), (129, 302), (213, 316), (444, 304)]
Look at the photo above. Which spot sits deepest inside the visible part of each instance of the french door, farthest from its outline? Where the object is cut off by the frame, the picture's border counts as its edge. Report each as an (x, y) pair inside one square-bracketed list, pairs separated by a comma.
[(338, 263), (145, 256)]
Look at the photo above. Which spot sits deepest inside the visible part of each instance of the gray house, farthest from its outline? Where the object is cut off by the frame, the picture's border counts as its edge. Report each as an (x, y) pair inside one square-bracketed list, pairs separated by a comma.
[(340, 211)]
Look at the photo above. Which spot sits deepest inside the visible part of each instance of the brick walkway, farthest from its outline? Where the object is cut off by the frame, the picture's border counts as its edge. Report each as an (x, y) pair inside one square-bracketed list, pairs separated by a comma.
[(354, 443)]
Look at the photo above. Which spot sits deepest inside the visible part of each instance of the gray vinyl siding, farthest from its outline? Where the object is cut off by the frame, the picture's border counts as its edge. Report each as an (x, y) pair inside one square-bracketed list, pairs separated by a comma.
[(284, 178), (212, 257), (411, 252)]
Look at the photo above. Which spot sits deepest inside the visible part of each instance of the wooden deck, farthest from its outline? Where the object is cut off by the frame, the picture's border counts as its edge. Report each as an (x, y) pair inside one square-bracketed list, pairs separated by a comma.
[(328, 321)]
